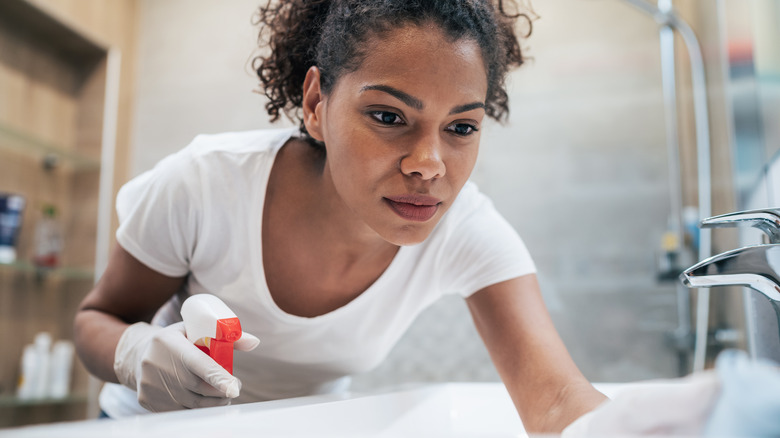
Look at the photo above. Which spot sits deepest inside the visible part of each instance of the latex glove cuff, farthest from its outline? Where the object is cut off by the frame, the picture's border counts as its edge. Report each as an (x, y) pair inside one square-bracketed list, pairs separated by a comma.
[(127, 353)]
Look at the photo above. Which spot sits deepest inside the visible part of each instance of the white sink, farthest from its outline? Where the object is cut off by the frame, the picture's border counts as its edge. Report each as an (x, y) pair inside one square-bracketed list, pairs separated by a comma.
[(432, 410)]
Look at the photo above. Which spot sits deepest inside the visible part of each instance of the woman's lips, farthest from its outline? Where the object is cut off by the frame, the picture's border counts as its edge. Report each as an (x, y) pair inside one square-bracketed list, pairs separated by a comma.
[(417, 208)]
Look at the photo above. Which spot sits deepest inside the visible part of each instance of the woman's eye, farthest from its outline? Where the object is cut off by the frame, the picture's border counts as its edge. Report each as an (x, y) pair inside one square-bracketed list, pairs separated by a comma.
[(387, 117), (462, 129)]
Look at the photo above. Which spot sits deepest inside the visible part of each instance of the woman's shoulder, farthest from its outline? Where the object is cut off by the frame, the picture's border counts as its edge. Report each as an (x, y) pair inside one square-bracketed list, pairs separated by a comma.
[(475, 246), (223, 153), (226, 156), (470, 203), (473, 220), (240, 142)]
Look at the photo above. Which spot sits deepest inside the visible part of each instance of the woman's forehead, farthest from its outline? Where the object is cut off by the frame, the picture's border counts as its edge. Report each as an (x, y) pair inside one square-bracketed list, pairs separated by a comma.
[(412, 52), (427, 35)]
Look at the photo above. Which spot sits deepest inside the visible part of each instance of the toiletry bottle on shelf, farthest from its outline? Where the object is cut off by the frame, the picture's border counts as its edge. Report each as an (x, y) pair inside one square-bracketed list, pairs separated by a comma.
[(11, 207), (40, 387), (28, 369), (60, 369), (48, 239), (668, 257), (692, 231), (34, 377)]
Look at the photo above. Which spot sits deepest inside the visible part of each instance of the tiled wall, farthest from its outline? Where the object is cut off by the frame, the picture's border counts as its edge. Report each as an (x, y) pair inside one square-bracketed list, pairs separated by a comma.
[(580, 170), (590, 192)]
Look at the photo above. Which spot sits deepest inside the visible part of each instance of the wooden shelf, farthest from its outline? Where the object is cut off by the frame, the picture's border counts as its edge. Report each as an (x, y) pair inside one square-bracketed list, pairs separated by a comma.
[(50, 32), (66, 272), (59, 76), (13, 401), (14, 140)]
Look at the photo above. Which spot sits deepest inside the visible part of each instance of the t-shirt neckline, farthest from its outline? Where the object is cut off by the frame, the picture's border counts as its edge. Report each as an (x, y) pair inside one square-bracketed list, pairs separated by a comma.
[(265, 291)]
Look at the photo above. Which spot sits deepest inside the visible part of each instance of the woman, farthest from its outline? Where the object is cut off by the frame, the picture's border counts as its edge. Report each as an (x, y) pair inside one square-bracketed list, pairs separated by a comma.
[(328, 240)]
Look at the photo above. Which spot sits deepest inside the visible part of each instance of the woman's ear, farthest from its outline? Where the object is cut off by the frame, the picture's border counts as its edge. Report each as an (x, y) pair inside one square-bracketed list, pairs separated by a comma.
[(313, 104)]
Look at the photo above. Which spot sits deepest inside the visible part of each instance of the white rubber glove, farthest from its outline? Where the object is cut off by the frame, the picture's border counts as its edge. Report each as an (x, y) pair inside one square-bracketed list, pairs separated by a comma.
[(678, 407), (169, 372)]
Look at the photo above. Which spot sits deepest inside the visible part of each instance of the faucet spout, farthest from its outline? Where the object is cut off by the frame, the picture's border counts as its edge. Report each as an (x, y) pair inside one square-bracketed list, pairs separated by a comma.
[(757, 267), (766, 220)]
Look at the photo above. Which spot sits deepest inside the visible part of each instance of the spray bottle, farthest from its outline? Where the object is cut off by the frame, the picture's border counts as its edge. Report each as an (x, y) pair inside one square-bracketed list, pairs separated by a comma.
[(212, 326), (48, 239)]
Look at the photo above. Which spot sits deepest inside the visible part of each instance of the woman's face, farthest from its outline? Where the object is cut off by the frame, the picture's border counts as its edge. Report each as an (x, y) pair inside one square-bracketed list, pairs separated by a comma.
[(402, 132)]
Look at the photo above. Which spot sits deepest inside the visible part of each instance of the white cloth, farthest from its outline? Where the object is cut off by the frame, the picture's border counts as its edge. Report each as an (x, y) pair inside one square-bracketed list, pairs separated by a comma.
[(749, 402), (740, 398), (199, 212), (669, 407)]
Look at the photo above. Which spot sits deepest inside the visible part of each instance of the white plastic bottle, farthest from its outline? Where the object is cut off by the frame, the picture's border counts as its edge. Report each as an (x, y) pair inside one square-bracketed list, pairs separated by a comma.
[(29, 366), (42, 343), (60, 369)]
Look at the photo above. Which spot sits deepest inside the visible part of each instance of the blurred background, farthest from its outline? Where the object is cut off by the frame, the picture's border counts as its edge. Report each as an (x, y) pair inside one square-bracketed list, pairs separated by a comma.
[(597, 168)]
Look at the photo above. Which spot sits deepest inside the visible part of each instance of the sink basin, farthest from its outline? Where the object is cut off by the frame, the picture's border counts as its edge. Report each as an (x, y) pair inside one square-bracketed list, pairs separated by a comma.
[(430, 410)]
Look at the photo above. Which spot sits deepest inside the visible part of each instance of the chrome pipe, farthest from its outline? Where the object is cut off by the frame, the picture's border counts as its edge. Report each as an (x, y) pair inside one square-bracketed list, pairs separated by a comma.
[(668, 18)]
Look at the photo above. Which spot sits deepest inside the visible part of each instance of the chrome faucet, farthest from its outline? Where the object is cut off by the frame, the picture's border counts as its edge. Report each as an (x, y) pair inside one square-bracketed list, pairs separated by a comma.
[(756, 266), (766, 220)]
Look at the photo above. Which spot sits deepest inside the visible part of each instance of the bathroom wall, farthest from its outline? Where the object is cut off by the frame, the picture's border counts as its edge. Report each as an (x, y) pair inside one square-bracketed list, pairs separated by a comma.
[(193, 75), (114, 23), (580, 170)]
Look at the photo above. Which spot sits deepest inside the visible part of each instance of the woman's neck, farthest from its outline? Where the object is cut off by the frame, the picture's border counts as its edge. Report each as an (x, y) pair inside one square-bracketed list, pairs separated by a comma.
[(320, 213), (316, 258)]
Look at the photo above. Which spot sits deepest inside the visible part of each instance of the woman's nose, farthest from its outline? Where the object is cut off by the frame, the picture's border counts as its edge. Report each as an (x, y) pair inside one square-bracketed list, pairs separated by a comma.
[(424, 159)]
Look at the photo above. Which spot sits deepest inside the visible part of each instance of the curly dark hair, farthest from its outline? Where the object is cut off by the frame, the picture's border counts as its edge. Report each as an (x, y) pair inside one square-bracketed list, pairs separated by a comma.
[(329, 35)]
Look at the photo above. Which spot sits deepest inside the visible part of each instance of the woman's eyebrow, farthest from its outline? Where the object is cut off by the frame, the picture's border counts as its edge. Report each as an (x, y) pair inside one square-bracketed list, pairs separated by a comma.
[(416, 103), (467, 107), (406, 98)]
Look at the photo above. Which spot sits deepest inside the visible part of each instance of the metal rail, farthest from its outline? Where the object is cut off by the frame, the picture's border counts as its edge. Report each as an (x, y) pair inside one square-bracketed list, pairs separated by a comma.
[(665, 16)]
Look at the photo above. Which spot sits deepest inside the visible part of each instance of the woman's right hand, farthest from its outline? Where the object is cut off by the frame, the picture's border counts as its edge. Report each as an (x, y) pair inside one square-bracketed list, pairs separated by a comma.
[(171, 373)]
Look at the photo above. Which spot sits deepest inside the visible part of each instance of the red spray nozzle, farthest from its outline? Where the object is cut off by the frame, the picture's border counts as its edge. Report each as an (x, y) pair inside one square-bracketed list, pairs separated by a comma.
[(212, 326)]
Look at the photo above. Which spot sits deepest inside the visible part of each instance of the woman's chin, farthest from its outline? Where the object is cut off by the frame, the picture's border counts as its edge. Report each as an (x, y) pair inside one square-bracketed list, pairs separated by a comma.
[(409, 235)]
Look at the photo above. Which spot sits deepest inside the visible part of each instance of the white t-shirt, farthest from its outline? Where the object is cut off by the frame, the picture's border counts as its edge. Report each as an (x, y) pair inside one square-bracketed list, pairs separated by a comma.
[(199, 212)]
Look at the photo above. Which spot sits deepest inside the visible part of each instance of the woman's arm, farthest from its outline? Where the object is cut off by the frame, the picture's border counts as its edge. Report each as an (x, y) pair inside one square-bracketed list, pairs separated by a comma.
[(127, 292), (546, 386)]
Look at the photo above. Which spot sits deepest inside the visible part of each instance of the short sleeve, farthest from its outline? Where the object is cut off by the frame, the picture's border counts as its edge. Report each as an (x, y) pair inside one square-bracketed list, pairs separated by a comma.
[(158, 216), (482, 249)]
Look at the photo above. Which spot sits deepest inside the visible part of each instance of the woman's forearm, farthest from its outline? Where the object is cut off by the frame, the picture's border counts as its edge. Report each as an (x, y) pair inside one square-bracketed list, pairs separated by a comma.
[(96, 335), (573, 402)]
